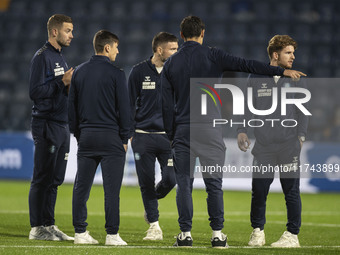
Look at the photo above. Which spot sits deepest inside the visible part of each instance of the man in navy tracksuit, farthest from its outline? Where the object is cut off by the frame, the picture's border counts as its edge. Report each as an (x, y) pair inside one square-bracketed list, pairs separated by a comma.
[(149, 140), (50, 78), (276, 145), (195, 60), (99, 118)]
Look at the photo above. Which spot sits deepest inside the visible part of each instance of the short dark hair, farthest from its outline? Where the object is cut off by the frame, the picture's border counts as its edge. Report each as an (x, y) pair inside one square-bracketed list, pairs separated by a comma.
[(192, 26), (278, 42), (56, 21), (103, 37), (162, 37)]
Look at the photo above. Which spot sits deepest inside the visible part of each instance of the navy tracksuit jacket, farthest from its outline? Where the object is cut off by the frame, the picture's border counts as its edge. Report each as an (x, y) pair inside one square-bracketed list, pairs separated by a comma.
[(194, 60), (100, 119), (50, 132)]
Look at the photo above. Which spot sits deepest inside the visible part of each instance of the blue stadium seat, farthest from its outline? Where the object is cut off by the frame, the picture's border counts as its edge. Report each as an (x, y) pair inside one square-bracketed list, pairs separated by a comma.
[(138, 11), (302, 32), (159, 11), (283, 11), (117, 11), (200, 9), (98, 10), (178, 10), (239, 32), (259, 32), (220, 10), (303, 55)]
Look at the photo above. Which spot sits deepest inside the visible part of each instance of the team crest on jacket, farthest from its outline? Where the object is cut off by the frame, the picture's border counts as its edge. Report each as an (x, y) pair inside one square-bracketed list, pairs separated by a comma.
[(58, 70), (264, 91), (137, 156), (148, 84)]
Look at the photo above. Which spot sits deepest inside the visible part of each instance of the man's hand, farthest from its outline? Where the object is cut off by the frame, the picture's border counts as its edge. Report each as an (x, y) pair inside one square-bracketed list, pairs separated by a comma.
[(67, 77), (125, 147), (243, 141), (295, 75)]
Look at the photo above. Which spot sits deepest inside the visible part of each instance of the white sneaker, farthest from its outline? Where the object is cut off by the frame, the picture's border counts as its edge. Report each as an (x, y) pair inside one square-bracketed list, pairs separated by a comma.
[(57, 232), (84, 238), (287, 240), (219, 240), (154, 233), (114, 240), (257, 238), (41, 233)]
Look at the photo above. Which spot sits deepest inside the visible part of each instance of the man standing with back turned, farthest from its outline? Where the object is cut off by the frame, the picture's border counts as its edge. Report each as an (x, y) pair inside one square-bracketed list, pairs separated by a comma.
[(193, 60), (100, 120), (149, 139), (50, 78), (276, 146)]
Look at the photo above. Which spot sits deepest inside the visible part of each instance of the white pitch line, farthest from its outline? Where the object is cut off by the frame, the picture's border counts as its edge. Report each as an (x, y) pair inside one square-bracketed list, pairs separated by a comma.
[(157, 247)]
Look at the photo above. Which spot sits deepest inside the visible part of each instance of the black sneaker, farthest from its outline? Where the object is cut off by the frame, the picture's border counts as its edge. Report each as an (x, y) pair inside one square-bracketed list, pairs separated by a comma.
[(219, 243), (186, 242)]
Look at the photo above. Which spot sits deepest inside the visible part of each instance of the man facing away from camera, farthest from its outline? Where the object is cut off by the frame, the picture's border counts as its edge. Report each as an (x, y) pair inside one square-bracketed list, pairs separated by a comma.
[(149, 140), (194, 60), (276, 145), (99, 118), (50, 78)]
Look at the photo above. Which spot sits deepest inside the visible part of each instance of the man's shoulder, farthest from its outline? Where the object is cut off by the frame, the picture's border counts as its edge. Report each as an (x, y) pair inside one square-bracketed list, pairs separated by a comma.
[(141, 64), (43, 50), (42, 53), (112, 67)]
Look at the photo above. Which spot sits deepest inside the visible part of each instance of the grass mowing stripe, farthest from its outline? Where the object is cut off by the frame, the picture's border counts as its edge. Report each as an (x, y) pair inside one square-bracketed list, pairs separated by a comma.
[(320, 217), (133, 214)]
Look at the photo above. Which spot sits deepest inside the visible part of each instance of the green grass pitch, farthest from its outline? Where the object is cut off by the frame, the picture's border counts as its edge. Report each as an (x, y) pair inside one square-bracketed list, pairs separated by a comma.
[(320, 231)]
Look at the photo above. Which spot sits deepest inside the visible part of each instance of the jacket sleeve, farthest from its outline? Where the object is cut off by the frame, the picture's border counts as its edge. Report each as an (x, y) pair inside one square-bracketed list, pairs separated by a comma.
[(232, 63), (168, 106), (123, 107), (302, 119), (72, 109), (42, 83), (247, 114), (134, 85)]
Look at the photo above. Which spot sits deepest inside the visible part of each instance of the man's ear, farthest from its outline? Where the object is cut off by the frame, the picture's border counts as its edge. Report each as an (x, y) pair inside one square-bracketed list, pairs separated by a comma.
[(107, 48), (182, 36), (54, 32), (275, 55), (159, 50), (202, 33)]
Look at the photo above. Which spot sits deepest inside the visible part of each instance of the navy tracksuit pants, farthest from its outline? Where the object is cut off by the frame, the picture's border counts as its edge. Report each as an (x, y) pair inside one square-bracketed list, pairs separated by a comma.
[(286, 155), (52, 144), (206, 144), (94, 147), (146, 148)]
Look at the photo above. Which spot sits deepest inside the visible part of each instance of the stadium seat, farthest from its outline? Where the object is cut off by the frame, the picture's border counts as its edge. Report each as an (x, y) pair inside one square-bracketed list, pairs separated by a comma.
[(242, 27), (178, 10)]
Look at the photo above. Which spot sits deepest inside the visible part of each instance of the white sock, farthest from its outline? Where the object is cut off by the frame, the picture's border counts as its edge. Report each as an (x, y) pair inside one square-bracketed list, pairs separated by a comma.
[(154, 224), (217, 233), (185, 234)]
